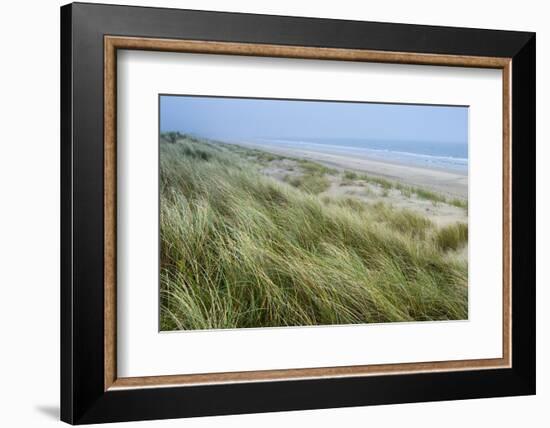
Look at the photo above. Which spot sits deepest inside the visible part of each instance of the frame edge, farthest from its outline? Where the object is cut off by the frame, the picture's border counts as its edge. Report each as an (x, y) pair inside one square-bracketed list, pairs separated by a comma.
[(66, 315), (524, 216)]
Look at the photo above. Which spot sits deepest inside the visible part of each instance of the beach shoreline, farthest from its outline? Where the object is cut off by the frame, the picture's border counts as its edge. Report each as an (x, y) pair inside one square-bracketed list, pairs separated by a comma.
[(448, 182)]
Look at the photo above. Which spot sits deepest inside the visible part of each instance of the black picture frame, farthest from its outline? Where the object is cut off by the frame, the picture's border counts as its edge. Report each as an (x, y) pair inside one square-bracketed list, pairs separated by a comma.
[(83, 398)]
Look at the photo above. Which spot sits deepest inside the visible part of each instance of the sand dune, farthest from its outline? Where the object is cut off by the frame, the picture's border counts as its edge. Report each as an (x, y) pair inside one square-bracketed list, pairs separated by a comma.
[(449, 182)]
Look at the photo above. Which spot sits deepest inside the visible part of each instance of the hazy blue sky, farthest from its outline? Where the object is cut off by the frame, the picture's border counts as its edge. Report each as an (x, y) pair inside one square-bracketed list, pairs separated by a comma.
[(241, 118)]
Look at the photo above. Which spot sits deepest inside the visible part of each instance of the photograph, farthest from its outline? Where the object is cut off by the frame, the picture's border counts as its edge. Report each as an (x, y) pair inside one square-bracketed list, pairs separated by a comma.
[(287, 212)]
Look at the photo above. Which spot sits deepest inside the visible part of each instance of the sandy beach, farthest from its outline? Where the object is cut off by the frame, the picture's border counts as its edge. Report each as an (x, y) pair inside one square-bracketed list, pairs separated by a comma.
[(451, 183)]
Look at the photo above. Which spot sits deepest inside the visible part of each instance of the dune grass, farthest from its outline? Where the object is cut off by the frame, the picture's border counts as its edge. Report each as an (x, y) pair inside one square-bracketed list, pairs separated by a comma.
[(312, 183), (452, 237), (405, 190), (240, 249)]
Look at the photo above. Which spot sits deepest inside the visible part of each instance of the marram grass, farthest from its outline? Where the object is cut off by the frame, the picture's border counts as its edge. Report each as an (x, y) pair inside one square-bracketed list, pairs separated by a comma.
[(240, 249)]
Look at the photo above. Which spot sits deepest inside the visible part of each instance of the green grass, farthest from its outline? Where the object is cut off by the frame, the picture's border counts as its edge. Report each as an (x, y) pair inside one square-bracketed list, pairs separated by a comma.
[(240, 249), (404, 221), (430, 196), (258, 155), (312, 177), (315, 168), (405, 191), (379, 181), (312, 183), (460, 203), (350, 175), (452, 237), (408, 191)]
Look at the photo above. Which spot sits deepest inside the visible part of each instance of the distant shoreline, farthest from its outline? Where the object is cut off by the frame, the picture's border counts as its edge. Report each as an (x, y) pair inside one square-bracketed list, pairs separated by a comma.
[(450, 182)]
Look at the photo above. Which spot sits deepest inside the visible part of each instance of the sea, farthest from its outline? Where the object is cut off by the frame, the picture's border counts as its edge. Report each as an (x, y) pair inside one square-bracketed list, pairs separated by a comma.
[(447, 156)]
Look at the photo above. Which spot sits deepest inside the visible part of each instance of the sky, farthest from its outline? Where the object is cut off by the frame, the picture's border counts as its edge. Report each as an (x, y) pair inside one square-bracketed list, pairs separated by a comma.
[(248, 118)]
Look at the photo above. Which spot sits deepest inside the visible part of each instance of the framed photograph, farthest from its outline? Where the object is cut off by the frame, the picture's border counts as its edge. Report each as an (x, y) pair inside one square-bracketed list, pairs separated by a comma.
[(266, 213)]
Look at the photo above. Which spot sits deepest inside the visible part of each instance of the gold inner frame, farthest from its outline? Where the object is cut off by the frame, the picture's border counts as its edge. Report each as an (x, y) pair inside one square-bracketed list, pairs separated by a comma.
[(113, 43)]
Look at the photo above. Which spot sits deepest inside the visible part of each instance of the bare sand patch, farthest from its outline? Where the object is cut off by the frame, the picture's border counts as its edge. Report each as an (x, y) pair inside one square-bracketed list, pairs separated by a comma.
[(441, 213)]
